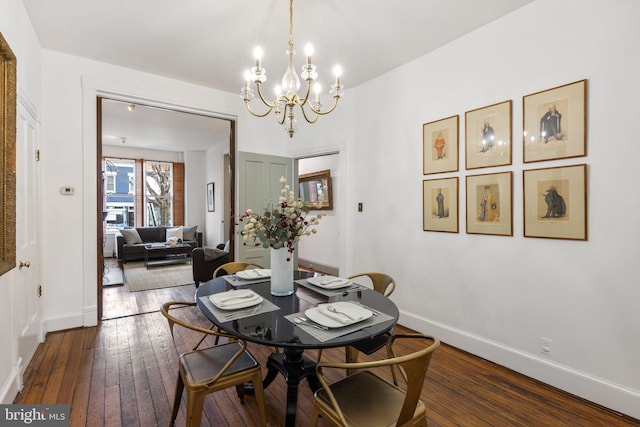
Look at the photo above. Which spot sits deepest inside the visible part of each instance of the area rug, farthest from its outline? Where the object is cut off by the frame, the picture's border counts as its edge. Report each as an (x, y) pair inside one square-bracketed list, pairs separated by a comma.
[(138, 278)]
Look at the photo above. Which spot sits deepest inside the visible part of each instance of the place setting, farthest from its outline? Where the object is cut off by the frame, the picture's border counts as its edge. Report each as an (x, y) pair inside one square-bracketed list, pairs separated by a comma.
[(237, 304), (248, 277), (330, 320), (330, 285)]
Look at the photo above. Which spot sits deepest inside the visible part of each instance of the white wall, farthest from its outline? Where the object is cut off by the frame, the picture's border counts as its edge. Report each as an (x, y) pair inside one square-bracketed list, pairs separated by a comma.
[(496, 296), (195, 189), (323, 247), (214, 173), (18, 32)]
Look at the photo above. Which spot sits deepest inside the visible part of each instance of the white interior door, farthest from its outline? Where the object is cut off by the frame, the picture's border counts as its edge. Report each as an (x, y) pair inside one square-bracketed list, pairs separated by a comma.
[(27, 303), (259, 186)]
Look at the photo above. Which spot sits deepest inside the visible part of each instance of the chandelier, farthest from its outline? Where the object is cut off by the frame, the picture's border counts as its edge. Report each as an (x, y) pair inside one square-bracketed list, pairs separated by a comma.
[(287, 97)]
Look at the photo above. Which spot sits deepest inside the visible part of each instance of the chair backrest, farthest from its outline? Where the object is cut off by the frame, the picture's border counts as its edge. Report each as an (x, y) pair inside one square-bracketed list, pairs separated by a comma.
[(233, 267), (382, 283), (413, 367)]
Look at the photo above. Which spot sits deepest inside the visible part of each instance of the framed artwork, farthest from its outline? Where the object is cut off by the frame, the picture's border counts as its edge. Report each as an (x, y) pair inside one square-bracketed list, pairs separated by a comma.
[(211, 207), (315, 190), (440, 204), (488, 136), (555, 202), (8, 97), (440, 146), (555, 123), (489, 204)]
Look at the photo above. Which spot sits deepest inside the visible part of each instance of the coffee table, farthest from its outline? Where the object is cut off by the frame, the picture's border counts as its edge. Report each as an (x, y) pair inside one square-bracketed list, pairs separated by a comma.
[(155, 254)]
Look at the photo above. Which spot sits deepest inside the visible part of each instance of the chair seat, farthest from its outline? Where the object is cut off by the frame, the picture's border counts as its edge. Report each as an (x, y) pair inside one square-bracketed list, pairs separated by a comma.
[(201, 366), (368, 400)]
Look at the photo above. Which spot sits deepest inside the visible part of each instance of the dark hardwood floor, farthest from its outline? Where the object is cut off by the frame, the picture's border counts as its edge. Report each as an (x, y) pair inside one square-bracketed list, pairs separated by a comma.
[(123, 373)]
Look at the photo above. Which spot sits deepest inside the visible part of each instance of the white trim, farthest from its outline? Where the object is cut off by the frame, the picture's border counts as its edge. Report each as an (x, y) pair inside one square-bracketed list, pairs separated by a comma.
[(614, 396), (11, 387)]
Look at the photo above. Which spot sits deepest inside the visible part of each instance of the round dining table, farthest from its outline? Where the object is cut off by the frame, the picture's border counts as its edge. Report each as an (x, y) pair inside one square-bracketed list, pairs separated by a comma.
[(275, 328)]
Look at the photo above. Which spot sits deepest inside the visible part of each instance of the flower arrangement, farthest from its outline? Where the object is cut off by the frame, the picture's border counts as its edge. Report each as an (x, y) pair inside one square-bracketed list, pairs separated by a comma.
[(281, 225)]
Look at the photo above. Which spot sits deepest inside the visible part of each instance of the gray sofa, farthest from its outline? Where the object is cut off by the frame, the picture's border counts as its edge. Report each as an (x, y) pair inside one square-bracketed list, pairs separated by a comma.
[(130, 241)]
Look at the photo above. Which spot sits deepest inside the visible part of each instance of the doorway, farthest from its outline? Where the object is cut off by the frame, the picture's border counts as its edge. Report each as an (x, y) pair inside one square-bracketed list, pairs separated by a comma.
[(202, 145)]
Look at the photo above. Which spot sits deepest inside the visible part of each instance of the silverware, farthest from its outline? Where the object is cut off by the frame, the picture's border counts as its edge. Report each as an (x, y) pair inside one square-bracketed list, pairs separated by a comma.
[(304, 320), (336, 311), (242, 313)]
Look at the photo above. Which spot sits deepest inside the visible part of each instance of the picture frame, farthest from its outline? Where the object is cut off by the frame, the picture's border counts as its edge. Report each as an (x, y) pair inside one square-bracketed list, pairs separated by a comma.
[(440, 140), (488, 136), (211, 207), (312, 185), (555, 202), (555, 123), (8, 126), (440, 205), (490, 204)]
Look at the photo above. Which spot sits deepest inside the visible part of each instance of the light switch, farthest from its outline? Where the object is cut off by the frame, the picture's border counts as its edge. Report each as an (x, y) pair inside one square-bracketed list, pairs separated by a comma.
[(360, 207), (66, 191)]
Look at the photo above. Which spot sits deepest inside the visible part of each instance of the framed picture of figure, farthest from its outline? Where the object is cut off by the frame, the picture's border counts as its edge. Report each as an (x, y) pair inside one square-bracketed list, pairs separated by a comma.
[(555, 202), (489, 205), (440, 146), (440, 204), (555, 123), (488, 136)]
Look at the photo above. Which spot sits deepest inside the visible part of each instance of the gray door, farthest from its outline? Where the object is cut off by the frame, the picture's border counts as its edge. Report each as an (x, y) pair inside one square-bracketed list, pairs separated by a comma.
[(259, 187)]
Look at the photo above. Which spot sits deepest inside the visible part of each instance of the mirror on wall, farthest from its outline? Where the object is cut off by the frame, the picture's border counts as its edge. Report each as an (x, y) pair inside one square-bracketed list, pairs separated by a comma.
[(315, 187), (7, 157)]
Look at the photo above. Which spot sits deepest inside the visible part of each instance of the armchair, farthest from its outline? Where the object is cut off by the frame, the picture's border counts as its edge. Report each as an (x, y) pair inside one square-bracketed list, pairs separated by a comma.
[(203, 263)]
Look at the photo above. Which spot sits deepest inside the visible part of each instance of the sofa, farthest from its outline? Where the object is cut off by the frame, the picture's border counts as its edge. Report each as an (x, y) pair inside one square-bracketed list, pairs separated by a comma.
[(204, 262), (130, 241)]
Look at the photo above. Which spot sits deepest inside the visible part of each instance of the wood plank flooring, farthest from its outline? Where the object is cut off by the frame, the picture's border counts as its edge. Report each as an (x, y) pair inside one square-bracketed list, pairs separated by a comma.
[(123, 373)]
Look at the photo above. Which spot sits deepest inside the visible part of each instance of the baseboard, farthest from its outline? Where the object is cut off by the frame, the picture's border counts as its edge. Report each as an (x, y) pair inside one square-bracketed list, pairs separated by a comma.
[(11, 386), (63, 322), (319, 267), (594, 389)]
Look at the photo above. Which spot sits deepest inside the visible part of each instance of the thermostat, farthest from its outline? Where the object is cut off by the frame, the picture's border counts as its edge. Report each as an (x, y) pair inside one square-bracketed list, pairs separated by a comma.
[(66, 191)]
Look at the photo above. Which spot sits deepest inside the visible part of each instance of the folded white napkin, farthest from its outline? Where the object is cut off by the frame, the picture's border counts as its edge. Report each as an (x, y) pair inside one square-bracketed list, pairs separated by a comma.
[(234, 297), (347, 318), (334, 281), (254, 273)]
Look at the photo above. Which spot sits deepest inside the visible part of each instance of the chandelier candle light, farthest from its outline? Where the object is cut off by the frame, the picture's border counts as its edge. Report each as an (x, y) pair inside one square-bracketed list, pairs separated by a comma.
[(280, 228), (287, 95)]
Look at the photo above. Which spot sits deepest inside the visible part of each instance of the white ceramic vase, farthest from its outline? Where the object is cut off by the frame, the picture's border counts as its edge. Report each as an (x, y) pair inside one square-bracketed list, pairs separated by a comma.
[(281, 272)]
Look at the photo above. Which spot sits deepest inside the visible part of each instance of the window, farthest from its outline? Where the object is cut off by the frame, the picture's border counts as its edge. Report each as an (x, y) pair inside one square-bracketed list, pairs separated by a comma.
[(158, 188), (132, 187), (110, 182), (119, 188)]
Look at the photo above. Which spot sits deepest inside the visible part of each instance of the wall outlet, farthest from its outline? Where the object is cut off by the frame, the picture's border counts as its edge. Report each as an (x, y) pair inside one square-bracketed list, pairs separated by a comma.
[(545, 346)]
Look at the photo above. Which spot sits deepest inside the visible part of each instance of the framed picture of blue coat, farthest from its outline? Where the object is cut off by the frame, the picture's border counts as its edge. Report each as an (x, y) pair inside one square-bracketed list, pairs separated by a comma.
[(488, 136), (555, 123), (555, 202)]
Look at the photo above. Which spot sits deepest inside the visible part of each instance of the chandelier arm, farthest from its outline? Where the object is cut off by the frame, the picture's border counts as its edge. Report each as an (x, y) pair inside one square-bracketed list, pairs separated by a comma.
[(304, 113), (324, 113), (261, 96), (284, 115), (253, 113)]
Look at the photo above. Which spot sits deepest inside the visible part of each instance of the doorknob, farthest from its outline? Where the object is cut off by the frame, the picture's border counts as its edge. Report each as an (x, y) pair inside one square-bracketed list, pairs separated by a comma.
[(24, 264)]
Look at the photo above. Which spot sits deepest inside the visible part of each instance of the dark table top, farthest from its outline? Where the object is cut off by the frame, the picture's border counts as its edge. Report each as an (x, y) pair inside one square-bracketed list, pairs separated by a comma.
[(274, 330)]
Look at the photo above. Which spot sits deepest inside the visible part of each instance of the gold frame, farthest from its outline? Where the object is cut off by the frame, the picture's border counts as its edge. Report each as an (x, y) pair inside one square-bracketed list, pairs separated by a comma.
[(570, 138), (7, 157), (449, 220), (540, 219), (444, 159), (499, 188), (324, 177), (497, 152)]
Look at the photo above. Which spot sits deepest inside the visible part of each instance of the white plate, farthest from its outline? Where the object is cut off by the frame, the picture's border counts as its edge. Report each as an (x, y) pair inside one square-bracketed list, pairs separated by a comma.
[(254, 273), (235, 299), (329, 282), (358, 312)]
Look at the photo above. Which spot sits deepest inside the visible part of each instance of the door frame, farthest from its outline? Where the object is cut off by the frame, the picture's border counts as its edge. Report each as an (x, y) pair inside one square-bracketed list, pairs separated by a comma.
[(100, 184)]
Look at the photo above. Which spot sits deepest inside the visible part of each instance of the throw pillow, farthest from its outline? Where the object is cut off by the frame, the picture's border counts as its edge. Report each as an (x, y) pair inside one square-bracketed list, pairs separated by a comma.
[(174, 232), (189, 233), (211, 254), (131, 236)]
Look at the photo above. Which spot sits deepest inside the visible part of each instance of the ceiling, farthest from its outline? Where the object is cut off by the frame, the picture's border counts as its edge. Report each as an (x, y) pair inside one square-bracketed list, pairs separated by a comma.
[(210, 42)]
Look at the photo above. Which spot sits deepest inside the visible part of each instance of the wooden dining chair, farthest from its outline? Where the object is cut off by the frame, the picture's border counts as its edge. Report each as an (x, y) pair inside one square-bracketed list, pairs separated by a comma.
[(233, 267), (383, 284), (367, 399), (204, 371)]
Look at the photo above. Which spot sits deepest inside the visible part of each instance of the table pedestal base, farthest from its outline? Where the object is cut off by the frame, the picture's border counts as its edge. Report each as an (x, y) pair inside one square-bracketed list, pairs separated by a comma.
[(294, 367)]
